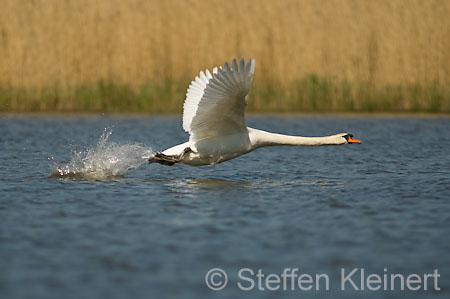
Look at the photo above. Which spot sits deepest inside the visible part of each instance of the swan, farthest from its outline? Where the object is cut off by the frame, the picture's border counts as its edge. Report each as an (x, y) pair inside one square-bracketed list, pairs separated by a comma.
[(213, 115)]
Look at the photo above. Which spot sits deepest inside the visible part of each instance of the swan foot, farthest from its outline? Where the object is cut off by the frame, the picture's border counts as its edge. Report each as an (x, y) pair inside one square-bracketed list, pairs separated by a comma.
[(162, 159), (168, 160)]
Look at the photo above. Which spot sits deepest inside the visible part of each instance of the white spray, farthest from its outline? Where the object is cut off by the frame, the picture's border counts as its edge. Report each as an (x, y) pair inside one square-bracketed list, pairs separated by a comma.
[(107, 160)]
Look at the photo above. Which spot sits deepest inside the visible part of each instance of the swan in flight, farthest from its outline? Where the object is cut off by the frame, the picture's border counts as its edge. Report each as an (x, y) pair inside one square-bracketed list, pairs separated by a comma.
[(213, 115)]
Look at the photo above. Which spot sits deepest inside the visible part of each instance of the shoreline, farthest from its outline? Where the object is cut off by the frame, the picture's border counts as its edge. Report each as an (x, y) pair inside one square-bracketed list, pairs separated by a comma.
[(249, 114)]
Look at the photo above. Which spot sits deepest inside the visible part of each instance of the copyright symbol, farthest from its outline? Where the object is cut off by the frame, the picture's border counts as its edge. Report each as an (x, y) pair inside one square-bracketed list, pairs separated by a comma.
[(216, 279)]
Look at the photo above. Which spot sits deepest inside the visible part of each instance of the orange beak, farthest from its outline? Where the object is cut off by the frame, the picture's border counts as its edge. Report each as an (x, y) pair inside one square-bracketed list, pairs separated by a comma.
[(352, 140)]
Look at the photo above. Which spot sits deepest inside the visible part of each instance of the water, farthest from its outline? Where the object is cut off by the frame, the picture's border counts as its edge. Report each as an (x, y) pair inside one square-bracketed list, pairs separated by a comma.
[(107, 160), (113, 226)]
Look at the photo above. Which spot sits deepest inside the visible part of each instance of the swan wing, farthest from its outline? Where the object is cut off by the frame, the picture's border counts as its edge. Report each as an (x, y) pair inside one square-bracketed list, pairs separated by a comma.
[(215, 103)]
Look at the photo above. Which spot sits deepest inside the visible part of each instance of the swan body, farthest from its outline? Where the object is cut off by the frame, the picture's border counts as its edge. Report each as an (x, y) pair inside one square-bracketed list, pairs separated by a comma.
[(214, 117)]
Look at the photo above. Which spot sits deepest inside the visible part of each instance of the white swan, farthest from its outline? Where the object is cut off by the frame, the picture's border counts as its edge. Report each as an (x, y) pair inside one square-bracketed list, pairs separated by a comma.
[(214, 118)]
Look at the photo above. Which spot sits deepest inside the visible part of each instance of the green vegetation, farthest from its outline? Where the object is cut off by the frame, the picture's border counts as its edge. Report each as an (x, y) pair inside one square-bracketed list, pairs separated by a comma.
[(311, 94)]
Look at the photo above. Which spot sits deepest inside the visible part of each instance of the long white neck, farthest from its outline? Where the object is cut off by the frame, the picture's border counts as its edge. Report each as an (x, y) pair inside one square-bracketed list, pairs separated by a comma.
[(259, 138)]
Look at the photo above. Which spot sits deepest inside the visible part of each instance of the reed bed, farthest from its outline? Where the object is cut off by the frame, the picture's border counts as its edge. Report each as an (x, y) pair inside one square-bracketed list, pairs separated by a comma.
[(139, 55)]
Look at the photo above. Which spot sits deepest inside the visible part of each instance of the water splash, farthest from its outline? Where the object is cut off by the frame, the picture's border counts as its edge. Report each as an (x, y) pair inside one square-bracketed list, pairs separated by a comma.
[(107, 160)]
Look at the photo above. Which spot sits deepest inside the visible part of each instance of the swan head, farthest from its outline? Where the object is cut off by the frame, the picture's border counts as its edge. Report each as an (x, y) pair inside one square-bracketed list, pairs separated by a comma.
[(349, 138)]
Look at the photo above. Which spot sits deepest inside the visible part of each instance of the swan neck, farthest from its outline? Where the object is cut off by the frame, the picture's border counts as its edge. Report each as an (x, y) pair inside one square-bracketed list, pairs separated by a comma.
[(261, 138)]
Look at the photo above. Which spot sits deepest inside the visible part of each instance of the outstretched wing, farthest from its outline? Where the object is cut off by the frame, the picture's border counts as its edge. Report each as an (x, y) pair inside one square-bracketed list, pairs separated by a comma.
[(215, 103)]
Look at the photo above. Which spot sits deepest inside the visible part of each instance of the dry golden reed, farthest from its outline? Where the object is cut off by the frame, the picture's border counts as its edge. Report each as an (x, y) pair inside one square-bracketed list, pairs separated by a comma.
[(60, 49)]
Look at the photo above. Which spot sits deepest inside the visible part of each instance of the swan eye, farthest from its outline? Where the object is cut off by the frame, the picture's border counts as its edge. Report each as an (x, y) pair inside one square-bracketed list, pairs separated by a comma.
[(348, 136)]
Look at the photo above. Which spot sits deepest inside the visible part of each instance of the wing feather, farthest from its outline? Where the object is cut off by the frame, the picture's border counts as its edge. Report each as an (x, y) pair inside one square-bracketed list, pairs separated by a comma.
[(215, 103)]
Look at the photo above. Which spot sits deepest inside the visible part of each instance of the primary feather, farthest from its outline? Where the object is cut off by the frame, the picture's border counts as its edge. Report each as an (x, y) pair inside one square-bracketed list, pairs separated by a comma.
[(215, 103)]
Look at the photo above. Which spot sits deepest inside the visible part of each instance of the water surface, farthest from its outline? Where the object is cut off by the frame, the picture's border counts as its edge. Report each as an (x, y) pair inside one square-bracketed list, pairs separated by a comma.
[(152, 231)]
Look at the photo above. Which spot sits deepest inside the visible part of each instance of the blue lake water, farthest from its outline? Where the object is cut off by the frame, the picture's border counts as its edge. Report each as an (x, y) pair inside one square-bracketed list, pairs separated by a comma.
[(113, 226)]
